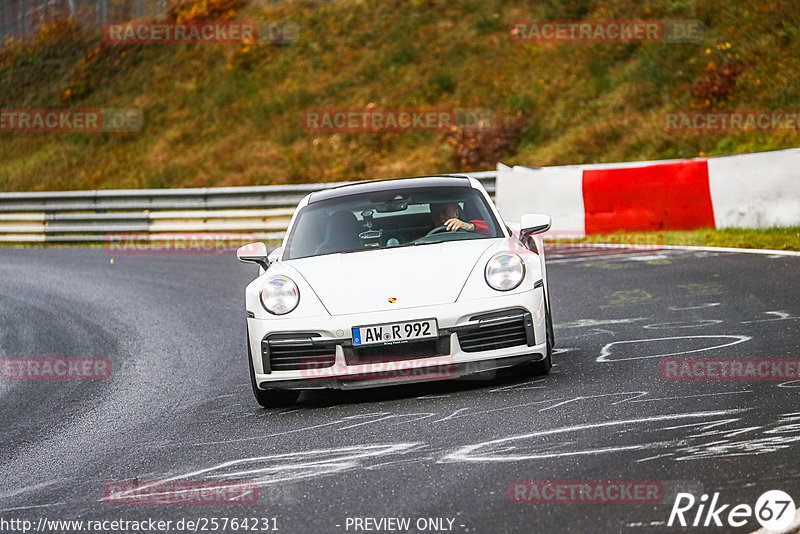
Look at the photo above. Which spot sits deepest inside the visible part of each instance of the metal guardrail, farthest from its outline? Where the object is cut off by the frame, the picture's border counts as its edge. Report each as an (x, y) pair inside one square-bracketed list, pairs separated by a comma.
[(261, 212), (22, 18)]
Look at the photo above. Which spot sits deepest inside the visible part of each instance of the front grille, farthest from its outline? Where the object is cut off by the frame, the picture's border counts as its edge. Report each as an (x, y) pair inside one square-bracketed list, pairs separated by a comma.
[(411, 350), (497, 333), (293, 352)]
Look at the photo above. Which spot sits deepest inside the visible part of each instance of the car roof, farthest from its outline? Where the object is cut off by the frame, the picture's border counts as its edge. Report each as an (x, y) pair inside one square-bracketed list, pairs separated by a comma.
[(387, 185)]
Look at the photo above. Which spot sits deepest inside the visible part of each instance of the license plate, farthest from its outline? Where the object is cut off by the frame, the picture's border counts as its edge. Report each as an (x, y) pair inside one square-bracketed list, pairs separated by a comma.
[(393, 332)]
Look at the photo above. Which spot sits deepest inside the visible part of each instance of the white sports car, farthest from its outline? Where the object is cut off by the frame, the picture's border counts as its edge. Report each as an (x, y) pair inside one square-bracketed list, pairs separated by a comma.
[(392, 281)]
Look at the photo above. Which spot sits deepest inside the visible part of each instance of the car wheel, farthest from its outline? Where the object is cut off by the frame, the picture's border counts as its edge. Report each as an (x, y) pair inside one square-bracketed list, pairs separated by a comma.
[(269, 398)]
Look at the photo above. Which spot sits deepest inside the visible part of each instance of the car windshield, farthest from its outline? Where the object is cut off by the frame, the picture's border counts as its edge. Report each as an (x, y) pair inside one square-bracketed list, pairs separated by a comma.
[(390, 218)]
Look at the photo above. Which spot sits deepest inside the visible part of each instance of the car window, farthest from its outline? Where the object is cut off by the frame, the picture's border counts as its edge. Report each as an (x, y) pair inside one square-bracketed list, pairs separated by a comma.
[(390, 218)]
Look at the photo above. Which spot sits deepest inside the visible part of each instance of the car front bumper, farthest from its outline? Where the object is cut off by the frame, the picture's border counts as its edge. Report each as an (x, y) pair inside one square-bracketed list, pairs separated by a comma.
[(345, 368)]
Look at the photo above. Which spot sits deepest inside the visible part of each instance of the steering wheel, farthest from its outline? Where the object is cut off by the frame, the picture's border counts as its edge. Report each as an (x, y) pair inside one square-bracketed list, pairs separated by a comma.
[(441, 230)]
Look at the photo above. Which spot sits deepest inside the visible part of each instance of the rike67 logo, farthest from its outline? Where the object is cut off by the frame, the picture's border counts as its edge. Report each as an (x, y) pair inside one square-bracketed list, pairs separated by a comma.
[(774, 510)]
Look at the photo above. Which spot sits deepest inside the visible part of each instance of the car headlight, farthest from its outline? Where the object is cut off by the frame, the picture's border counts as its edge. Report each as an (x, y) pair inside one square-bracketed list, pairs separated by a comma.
[(280, 295), (504, 271)]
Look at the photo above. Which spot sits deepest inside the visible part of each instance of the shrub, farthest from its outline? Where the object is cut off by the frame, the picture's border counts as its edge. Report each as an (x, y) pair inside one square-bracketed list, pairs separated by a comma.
[(718, 80), (482, 147), (57, 31), (187, 10)]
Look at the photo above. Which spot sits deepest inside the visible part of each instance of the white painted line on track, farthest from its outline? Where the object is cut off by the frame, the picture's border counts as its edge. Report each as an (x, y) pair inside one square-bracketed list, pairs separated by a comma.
[(736, 250), (632, 246)]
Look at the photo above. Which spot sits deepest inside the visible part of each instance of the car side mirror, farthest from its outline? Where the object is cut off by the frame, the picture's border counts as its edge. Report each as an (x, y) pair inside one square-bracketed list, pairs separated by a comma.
[(535, 223), (254, 253), (275, 255)]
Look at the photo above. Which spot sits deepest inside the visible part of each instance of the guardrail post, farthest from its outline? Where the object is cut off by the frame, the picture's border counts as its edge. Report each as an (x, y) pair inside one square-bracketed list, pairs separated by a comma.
[(102, 13), (22, 18), (3, 21)]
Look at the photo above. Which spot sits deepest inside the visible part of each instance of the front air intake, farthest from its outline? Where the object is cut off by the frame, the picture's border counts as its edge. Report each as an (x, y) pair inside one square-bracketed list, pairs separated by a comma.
[(296, 352)]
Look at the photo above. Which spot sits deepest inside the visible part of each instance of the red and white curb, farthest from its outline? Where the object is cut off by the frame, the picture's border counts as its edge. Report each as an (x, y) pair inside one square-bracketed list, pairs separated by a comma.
[(759, 190)]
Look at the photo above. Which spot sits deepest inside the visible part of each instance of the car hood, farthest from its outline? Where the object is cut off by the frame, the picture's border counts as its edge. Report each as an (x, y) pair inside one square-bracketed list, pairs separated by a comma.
[(363, 282)]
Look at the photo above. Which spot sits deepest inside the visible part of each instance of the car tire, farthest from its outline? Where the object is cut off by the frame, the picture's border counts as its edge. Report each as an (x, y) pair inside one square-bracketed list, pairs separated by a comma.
[(269, 398)]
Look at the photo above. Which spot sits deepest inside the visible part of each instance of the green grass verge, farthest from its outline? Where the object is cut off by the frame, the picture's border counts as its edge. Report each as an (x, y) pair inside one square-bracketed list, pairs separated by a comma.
[(780, 238)]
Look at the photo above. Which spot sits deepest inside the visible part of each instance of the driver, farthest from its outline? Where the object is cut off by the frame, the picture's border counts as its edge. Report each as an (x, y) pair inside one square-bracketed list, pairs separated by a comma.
[(447, 214)]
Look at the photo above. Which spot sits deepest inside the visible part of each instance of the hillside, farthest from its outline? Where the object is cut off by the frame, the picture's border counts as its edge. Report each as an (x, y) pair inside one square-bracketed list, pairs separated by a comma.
[(221, 115)]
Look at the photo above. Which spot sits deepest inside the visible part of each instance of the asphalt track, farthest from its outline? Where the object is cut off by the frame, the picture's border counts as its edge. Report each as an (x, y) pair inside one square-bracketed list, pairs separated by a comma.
[(178, 403)]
